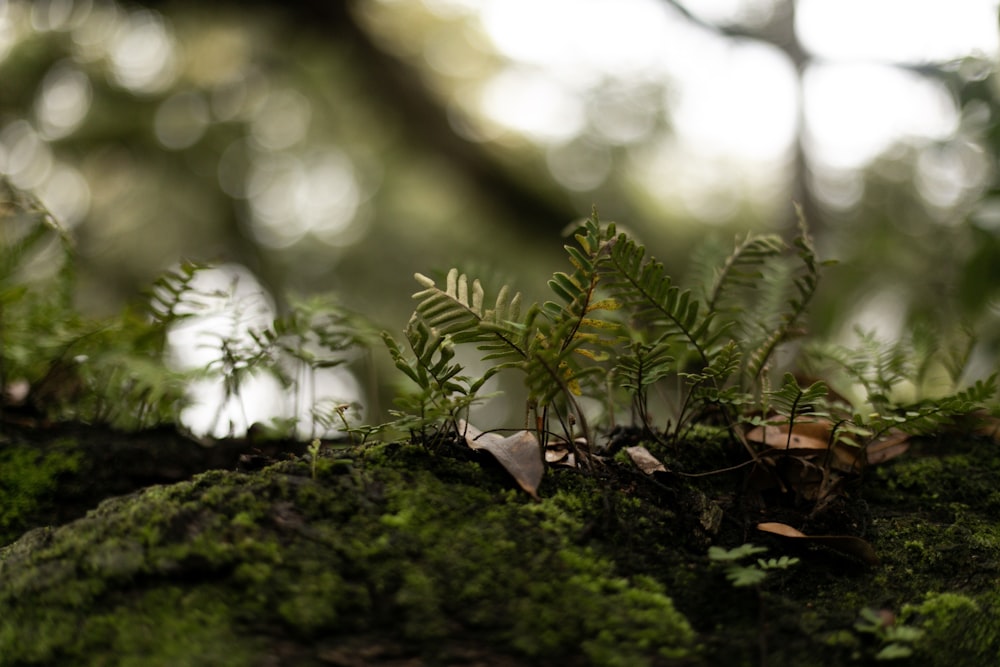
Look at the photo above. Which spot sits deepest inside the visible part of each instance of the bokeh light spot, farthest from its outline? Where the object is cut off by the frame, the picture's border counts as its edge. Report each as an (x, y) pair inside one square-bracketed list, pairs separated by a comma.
[(49, 15), (292, 196), (181, 120), (580, 165), (531, 103), (142, 53), (282, 121), (66, 194), (855, 112), (27, 159), (64, 100)]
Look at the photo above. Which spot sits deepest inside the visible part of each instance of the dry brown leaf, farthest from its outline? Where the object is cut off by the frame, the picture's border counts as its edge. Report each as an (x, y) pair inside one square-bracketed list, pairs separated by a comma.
[(556, 453), (845, 544), (805, 435), (645, 461), (518, 454), (893, 445), (560, 454), (810, 438), (986, 424)]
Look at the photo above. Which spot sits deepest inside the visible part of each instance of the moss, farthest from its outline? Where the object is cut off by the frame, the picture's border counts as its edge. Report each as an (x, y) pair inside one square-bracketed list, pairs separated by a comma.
[(431, 552), (960, 477), (392, 551), (957, 630), (28, 478)]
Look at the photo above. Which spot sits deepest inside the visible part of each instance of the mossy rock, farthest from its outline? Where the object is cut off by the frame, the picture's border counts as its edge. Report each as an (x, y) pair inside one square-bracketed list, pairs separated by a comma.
[(393, 555), (278, 567)]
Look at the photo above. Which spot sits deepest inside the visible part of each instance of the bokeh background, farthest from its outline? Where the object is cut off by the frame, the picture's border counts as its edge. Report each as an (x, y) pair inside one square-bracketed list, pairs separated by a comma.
[(314, 146)]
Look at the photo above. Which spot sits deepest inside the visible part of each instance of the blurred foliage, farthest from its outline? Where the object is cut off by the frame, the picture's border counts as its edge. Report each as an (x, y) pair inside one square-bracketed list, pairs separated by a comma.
[(344, 146)]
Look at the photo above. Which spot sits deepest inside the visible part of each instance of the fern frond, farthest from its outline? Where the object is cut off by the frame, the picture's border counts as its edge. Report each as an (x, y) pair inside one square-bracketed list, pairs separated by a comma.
[(173, 296), (459, 311), (742, 269), (553, 371), (643, 365), (644, 289), (793, 401), (431, 366), (931, 416), (578, 291), (805, 285), (724, 363)]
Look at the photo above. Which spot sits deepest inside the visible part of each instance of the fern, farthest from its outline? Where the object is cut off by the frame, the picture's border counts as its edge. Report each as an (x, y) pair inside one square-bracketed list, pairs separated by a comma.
[(793, 401), (643, 289), (444, 393), (711, 386), (619, 311), (878, 366), (173, 296), (931, 416), (641, 367), (804, 288), (742, 270), (549, 343), (316, 334), (678, 320)]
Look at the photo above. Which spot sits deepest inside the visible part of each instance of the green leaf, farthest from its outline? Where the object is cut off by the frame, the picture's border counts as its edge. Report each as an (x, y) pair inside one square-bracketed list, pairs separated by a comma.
[(745, 576), (719, 554), (894, 652)]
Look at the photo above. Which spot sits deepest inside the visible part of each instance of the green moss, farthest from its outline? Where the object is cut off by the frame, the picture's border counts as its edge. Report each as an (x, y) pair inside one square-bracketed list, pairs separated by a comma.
[(957, 630), (394, 551), (28, 478), (431, 552), (965, 478)]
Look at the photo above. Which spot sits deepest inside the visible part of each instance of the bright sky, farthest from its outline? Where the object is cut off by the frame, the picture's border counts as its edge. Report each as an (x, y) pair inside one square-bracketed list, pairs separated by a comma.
[(737, 98)]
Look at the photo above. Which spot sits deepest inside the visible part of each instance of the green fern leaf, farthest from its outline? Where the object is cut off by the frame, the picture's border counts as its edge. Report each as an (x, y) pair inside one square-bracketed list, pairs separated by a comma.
[(805, 286), (793, 401), (742, 269), (644, 289)]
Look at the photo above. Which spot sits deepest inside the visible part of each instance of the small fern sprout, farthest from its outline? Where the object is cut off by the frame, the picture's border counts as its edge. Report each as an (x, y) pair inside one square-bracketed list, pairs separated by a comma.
[(639, 368)]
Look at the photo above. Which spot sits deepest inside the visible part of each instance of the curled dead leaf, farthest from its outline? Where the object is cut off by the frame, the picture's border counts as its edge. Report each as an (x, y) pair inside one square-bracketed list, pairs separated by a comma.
[(845, 544), (889, 447), (560, 454), (556, 453), (518, 454), (810, 438), (806, 434), (645, 461)]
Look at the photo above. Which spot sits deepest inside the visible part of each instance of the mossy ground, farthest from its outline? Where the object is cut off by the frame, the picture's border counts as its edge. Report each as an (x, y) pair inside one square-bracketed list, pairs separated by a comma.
[(393, 554)]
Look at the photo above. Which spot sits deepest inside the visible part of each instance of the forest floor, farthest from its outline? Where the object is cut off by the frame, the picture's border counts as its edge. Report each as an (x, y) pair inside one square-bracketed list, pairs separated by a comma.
[(151, 549)]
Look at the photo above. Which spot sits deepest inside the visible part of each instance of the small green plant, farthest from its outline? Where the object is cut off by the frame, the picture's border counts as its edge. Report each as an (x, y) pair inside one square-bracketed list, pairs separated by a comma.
[(753, 574), (895, 640), (619, 321), (883, 368), (618, 332), (71, 367), (618, 327), (313, 450)]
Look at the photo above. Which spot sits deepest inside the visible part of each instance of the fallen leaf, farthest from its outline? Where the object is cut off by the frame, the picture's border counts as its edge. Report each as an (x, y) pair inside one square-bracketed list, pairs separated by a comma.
[(985, 424), (810, 438), (556, 453), (890, 447), (805, 435), (845, 544), (645, 461), (518, 454)]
